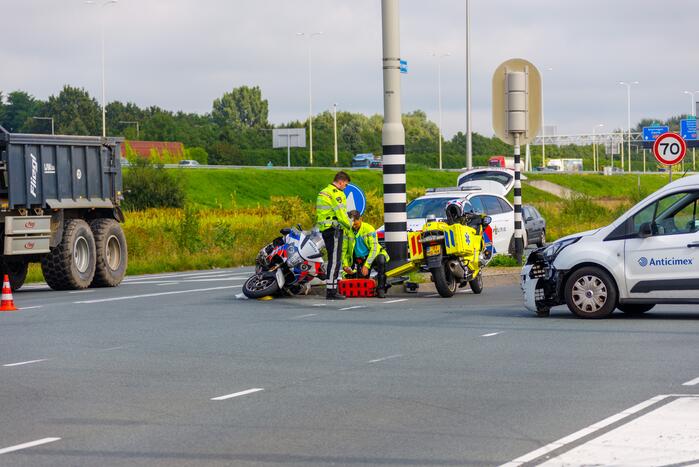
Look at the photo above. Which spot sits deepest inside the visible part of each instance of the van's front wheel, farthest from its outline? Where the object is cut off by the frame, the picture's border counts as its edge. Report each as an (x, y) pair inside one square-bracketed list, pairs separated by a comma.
[(590, 293)]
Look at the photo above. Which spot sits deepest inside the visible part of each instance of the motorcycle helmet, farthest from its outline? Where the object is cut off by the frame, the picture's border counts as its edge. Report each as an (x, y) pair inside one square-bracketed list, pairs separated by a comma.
[(458, 210)]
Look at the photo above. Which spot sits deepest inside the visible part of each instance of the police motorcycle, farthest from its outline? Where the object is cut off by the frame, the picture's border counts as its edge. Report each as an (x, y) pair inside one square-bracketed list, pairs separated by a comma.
[(288, 264), (454, 251)]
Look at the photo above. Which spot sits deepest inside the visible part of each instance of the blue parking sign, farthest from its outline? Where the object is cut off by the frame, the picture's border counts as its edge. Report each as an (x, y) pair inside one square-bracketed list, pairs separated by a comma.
[(356, 199)]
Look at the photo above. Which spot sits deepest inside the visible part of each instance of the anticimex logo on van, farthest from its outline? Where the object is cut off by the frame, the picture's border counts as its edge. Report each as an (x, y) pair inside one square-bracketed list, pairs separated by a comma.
[(643, 261)]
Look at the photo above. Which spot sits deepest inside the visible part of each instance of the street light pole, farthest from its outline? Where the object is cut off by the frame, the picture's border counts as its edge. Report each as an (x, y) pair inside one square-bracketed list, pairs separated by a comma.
[(469, 133), (595, 158), (543, 123), (104, 98), (138, 133), (439, 99), (46, 118), (628, 116), (308, 37), (693, 113), (335, 130)]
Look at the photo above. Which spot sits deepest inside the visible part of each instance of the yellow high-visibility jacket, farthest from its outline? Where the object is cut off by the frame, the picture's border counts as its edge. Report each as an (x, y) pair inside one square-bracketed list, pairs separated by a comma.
[(368, 234), (331, 209)]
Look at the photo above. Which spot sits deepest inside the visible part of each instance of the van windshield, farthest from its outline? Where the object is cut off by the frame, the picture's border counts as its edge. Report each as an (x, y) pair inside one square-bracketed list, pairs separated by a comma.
[(425, 207)]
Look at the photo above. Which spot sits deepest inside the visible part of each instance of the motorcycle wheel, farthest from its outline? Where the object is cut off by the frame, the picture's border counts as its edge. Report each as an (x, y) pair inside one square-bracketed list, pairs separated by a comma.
[(476, 284), (258, 286), (444, 281)]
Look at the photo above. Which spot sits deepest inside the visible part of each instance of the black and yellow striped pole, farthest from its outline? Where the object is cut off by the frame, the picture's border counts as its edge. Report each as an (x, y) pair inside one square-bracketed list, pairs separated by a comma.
[(393, 138)]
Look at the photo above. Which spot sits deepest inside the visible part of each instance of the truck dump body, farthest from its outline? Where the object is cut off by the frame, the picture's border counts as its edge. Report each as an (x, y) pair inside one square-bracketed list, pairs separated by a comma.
[(59, 172)]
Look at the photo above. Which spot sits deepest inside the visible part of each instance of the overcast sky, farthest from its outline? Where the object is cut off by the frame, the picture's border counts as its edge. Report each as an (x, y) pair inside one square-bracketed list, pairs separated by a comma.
[(182, 54)]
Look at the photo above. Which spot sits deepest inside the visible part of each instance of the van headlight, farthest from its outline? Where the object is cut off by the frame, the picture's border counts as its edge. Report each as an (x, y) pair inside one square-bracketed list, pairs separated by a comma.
[(555, 248)]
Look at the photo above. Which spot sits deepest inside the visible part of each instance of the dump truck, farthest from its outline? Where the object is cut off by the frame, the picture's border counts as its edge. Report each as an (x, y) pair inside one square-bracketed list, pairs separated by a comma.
[(60, 206)]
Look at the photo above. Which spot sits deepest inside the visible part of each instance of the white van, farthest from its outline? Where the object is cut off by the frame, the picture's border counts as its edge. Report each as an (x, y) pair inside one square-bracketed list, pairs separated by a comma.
[(649, 255)]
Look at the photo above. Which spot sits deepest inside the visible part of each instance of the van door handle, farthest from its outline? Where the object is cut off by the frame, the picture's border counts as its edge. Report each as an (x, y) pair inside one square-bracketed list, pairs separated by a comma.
[(693, 245)]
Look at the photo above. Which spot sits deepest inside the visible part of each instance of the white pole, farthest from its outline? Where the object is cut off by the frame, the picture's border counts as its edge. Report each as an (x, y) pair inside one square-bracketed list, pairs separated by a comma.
[(309, 37), (104, 94), (543, 122), (439, 100), (469, 134), (335, 130)]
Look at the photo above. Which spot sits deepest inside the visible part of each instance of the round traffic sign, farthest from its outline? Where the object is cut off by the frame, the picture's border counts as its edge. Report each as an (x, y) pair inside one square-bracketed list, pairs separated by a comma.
[(356, 199), (669, 148)]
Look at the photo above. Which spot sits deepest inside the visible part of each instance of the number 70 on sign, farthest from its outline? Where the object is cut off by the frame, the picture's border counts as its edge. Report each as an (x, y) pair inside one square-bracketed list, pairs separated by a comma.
[(669, 148)]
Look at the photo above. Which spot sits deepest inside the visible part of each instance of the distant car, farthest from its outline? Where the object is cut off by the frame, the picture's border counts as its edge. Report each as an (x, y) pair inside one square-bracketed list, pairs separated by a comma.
[(362, 161), (535, 225), (188, 163), (376, 164), (494, 205)]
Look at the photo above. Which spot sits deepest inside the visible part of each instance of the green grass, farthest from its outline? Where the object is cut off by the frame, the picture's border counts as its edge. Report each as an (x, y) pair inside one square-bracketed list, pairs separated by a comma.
[(600, 186)]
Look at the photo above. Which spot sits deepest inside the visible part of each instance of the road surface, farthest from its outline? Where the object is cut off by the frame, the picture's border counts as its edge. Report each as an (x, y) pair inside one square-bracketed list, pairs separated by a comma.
[(173, 370)]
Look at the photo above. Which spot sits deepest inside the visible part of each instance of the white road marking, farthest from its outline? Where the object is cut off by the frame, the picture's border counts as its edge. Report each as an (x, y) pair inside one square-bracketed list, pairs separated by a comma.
[(396, 301), (693, 382), (390, 357), (112, 348), (151, 282), (157, 294), (352, 307), (237, 394), (492, 334), (305, 316), (83, 291), (30, 444), (433, 295), (27, 362), (214, 279), (320, 304), (656, 436), (31, 307)]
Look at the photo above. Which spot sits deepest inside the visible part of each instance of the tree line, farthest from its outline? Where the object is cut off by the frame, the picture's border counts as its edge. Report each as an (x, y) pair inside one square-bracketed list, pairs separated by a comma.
[(237, 131)]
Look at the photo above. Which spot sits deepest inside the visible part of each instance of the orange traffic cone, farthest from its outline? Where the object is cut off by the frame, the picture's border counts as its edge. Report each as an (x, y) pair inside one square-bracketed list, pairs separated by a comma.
[(7, 303)]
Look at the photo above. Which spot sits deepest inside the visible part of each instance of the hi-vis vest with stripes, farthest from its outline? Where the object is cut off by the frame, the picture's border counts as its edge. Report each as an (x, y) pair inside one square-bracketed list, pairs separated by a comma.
[(368, 234), (331, 209)]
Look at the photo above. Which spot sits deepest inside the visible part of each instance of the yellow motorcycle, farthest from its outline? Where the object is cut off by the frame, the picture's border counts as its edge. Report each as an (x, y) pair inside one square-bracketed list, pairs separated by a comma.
[(454, 251)]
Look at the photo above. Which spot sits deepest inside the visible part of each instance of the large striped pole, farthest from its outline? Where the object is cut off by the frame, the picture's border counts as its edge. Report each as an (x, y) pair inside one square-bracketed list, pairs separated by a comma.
[(393, 138), (519, 240)]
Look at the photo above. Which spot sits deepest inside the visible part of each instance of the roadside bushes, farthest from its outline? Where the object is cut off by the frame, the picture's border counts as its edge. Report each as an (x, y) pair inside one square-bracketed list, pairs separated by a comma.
[(151, 186)]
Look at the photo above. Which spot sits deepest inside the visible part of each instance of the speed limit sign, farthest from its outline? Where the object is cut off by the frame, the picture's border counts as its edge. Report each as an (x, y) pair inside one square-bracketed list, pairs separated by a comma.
[(669, 148)]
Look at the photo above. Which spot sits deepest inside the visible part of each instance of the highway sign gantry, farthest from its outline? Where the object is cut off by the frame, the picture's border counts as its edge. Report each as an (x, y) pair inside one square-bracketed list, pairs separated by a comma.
[(669, 149)]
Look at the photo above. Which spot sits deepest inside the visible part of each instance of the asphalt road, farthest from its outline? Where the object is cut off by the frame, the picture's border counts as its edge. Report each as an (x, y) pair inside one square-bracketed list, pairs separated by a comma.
[(173, 370)]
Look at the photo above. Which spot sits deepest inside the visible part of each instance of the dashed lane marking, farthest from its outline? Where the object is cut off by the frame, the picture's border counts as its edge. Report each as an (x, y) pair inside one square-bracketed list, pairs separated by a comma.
[(352, 307), (30, 444), (26, 363), (157, 294), (693, 382), (396, 301), (492, 334), (83, 291), (237, 394), (305, 316), (31, 307), (383, 359)]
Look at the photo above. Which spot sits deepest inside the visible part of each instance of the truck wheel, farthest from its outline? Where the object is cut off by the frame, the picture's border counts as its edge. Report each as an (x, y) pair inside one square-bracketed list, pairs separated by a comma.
[(71, 264), (112, 253), (590, 293), (476, 284), (16, 270), (444, 281), (635, 308)]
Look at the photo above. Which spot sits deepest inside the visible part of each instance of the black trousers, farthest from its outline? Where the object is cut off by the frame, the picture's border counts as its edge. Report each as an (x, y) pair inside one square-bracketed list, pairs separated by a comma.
[(333, 244), (379, 265)]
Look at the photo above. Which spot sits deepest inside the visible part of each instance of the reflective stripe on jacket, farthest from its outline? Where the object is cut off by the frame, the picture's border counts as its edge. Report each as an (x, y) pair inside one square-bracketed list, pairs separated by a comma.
[(368, 234), (331, 209)]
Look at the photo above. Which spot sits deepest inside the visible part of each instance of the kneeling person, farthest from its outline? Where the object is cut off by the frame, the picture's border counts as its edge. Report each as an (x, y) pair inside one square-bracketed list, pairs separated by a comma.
[(362, 253)]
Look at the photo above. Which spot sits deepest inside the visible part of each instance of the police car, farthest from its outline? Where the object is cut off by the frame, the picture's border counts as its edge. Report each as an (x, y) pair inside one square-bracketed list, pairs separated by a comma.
[(650, 255)]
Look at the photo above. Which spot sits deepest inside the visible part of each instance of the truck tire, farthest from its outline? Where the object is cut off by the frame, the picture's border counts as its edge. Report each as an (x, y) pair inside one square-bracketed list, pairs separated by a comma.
[(71, 264), (112, 253), (444, 281), (590, 293), (16, 270)]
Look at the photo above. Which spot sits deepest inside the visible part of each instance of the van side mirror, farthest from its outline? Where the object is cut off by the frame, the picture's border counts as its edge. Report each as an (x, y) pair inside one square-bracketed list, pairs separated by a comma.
[(646, 230)]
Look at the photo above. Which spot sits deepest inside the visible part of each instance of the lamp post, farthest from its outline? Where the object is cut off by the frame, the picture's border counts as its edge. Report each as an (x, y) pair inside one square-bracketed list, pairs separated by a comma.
[(594, 146), (543, 123), (46, 118), (310, 36), (628, 116), (335, 131), (693, 113), (138, 133), (439, 98), (104, 109), (469, 133)]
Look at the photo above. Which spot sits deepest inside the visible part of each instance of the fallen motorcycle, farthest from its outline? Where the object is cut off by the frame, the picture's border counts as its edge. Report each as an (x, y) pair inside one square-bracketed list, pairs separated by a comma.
[(287, 265)]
